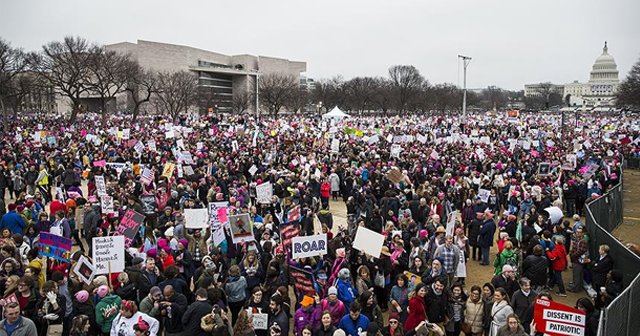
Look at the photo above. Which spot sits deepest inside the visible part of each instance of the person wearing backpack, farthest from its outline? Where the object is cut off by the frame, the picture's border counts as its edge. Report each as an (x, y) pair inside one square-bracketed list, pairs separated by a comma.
[(334, 306), (506, 257)]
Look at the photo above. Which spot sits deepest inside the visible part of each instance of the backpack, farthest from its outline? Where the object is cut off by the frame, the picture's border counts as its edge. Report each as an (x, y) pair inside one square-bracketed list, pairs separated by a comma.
[(513, 262)]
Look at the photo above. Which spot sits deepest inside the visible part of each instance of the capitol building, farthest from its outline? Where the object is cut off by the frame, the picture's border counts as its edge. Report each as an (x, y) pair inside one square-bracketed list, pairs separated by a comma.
[(599, 92)]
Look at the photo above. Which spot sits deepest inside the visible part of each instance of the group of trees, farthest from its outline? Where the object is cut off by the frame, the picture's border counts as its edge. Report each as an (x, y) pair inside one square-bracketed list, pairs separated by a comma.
[(629, 90), (76, 69)]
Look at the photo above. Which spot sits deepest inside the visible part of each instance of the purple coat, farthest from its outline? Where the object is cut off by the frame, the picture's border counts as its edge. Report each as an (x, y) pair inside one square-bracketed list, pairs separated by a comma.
[(303, 318)]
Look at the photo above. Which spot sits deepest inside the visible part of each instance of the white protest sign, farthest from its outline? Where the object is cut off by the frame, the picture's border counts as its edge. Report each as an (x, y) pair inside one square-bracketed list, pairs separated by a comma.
[(484, 195), (309, 246), (85, 270), (395, 150), (264, 192), (151, 144), (260, 321), (108, 251), (169, 134), (188, 170), (461, 272), (451, 223), (101, 186), (218, 236), (253, 170), (126, 133), (139, 147), (106, 203), (369, 242), (196, 218), (180, 143), (335, 145), (218, 215)]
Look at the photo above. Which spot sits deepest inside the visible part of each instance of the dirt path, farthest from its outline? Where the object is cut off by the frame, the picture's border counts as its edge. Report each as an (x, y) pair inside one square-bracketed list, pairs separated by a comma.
[(629, 230)]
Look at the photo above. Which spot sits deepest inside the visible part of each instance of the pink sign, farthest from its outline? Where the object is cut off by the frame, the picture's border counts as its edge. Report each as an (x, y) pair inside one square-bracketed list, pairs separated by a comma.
[(101, 163), (222, 215)]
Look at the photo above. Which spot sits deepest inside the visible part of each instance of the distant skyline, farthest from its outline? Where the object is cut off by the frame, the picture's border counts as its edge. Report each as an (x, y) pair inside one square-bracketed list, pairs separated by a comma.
[(512, 43)]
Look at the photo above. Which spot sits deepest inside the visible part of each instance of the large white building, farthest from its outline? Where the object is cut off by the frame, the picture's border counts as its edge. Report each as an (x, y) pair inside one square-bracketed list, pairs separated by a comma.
[(599, 91)]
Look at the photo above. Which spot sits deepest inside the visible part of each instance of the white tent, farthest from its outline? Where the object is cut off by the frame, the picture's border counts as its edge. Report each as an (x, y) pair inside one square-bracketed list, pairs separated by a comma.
[(336, 113)]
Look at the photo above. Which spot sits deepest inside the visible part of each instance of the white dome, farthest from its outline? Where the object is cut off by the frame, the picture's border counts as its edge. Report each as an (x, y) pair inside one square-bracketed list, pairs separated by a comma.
[(604, 68)]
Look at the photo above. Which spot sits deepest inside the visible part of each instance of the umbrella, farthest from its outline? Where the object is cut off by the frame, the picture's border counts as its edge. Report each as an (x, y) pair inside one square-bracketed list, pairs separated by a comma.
[(555, 214)]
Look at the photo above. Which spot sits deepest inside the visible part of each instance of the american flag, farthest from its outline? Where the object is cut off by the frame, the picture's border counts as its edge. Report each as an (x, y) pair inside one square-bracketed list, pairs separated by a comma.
[(147, 176), (294, 214), (287, 232)]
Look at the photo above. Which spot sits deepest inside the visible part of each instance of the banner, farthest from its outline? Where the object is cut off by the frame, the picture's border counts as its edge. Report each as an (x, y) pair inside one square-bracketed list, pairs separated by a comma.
[(148, 203), (129, 226), (395, 175), (309, 246), (54, 246), (101, 186), (287, 232), (241, 228), (368, 241), (85, 270), (217, 215), (303, 281), (264, 192), (108, 254), (196, 218), (555, 319)]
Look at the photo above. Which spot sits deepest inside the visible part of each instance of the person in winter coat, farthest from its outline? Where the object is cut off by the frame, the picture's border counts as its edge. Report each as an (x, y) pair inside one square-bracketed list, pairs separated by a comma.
[(346, 292), (306, 315), (523, 298), (192, 317), (417, 308), (512, 328), (370, 308), (23, 325), (326, 327), (13, 221), (600, 267), (51, 307), (107, 309), (535, 268), (499, 311), (129, 316), (473, 233), (236, 289), (172, 309), (558, 258), (456, 309), (506, 257), (485, 237), (355, 323), (325, 193), (474, 311), (333, 305), (506, 280)]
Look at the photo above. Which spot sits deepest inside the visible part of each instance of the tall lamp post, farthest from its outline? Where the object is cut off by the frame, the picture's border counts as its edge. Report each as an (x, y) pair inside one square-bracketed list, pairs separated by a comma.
[(465, 61)]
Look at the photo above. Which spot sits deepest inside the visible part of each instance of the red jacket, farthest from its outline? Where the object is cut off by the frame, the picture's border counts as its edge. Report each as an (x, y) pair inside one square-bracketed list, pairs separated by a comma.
[(325, 190), (417, 313), (558, 258)]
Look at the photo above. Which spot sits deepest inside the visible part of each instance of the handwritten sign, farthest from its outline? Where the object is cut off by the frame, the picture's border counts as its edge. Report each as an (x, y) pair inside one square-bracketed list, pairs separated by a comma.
[(264, 192), (129, 225), (101, 186), (108, 254), (148, 203), (106, 203), (217, 215), (54, 246)]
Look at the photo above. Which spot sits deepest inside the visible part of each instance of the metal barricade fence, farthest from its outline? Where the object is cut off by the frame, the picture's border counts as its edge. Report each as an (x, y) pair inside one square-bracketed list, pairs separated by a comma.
[(603, 216)]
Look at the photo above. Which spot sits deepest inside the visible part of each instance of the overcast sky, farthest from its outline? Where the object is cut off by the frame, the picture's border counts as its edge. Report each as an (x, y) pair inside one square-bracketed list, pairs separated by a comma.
[(511, 42)]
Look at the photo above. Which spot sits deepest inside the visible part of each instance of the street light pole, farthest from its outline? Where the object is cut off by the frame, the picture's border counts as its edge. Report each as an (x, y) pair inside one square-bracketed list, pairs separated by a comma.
[(257, 101), (465, 62)]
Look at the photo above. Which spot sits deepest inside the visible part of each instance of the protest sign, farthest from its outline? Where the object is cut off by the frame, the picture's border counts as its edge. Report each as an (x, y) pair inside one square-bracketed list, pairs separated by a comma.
[(55, 246), (395, 150), (168, 170), (461, 271), (555, 319), (395, 175), (264, 192), (335, 145), (148, 203), (294, 214), (241, 228), (101, 186), (129, 225), (451, 222), (106, 203), (217, 215), (99, 163), (309, 246), (303, 281), (369, 242), (217, 237), (544, 168), (253, 170), (570, 162), (108, 254), (151, 144), (139, 147), (484, 195), (196, 218), (260, 321), (414, 280), (126, 133), (288, 231), (11, 299), (85, 270), (188, 170)]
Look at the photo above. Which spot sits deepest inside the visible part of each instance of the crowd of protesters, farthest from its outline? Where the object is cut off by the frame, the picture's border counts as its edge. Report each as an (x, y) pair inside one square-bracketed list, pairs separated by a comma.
[(494, 177)]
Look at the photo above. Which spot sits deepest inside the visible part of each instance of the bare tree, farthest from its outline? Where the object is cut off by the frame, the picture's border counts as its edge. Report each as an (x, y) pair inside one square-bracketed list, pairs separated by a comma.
[(629, 91), (329, 92), (65, 65), (446, 96), (241, 102), (109, 74), (360, 92), (406, 82), (494, 97), (382, 96), (13, 62), (177, 92), (298, 100), (142, 85), (276, 90)]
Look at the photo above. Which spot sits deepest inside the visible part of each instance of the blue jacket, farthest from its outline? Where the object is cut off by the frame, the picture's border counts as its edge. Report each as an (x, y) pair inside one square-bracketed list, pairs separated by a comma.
[(346, 292), (354, 328), (485, 238), (13, 222)]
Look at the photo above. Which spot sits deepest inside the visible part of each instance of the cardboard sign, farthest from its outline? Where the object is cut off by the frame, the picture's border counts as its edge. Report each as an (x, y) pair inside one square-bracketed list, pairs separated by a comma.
[(287, 232), (309, 246), (85, 270), (217, 215), (106, 203), (484, 195), (55, 246), (101, 186), (129, 226), (253, 170), (335, 145), (260, 321), (168, 170), (395, 175), (555, 319), (264, 192), (241, 228), (148, 203), (196, 218), (108, 254), (369, 242)]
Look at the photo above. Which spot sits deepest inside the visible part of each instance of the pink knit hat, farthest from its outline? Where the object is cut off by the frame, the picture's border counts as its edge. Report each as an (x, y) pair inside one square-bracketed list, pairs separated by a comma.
[(82, 296), (103, 291)]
